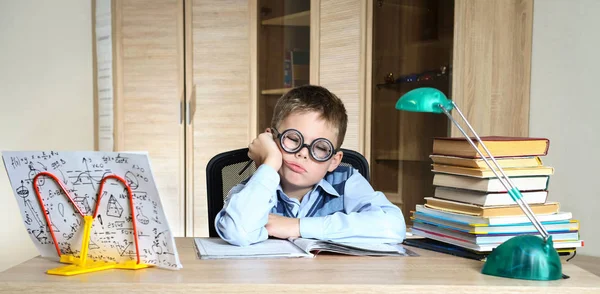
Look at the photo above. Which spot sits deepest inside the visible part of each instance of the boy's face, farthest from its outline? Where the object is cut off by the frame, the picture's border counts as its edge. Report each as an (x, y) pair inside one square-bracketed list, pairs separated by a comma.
[(300, 170)]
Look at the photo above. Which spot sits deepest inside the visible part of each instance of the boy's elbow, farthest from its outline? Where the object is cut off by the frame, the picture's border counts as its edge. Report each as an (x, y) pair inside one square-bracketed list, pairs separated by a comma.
[(235, 235), (401, 232), (234, 238), (232, 234), (396, 227)]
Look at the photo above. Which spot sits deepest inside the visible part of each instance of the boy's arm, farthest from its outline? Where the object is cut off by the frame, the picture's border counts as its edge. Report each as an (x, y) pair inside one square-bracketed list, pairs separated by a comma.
[(246, 212), (368, 217)]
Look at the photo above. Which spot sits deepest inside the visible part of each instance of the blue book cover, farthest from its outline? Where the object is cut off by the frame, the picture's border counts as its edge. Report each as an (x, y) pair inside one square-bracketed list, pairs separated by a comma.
[(287, 70)]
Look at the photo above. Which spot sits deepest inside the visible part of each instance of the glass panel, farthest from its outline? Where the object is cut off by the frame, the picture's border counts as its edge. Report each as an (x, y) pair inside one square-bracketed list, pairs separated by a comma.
[(412, 48), (283, 52)]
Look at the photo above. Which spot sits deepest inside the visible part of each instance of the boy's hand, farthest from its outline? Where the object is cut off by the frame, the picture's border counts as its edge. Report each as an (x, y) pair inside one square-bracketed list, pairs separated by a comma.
[(283, 227), (264, 150)]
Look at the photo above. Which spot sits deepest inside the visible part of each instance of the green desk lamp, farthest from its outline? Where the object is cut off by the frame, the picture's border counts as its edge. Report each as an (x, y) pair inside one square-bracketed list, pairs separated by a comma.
[(523, 257)]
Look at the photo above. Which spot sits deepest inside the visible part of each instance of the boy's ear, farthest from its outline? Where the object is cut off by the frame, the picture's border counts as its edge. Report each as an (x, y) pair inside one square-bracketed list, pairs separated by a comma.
[(335, 161)]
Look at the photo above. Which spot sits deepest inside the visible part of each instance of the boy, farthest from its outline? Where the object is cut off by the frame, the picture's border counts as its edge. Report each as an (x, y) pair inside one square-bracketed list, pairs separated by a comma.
[(298, 189)]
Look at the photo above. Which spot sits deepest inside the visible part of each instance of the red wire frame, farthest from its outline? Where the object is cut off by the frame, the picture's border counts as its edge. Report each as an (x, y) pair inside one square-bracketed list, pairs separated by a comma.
[(43, 206)]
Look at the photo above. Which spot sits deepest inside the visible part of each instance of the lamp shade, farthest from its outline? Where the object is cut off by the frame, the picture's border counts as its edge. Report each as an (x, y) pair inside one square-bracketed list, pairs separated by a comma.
[(424, 100)]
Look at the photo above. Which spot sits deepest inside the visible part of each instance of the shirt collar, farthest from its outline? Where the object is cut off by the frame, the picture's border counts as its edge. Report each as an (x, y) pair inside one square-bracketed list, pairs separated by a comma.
[(328, 188), (325, 186)]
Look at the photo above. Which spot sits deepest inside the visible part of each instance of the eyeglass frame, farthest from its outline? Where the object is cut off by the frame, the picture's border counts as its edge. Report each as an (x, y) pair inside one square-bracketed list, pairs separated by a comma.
[(279, 135)]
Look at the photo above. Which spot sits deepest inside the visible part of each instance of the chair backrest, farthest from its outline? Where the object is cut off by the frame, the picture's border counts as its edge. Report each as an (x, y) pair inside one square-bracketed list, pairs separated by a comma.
[(222, 175)]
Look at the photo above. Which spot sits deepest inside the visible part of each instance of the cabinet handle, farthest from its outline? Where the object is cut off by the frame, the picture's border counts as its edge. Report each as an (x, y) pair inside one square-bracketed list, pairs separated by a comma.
[(180, 111), (187, 113), (191, 102)]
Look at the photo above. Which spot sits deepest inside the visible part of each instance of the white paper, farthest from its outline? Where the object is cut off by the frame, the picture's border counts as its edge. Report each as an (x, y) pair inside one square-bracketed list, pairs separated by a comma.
[(359, 249), (111, 237), (215, 248)]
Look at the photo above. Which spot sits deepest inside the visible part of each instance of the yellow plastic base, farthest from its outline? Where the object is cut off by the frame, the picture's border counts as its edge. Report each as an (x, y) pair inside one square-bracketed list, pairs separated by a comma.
[(132, 265), (76, 268), (84, 265)]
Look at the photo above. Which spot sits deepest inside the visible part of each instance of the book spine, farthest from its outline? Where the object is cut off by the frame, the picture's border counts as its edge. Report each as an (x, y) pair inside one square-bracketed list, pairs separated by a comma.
[(287, 70)]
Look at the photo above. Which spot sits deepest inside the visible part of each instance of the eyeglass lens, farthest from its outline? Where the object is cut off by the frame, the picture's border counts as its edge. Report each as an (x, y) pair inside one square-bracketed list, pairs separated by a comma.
[(292, 141)]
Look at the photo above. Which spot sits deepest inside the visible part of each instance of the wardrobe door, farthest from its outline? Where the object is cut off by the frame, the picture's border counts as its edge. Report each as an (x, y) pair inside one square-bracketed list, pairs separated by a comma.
[(149, 81), (492, 65), (218, 89), (338, 42)]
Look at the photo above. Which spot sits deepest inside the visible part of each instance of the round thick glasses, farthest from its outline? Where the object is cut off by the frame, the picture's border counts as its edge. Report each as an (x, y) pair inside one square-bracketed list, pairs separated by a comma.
[(292, 141)]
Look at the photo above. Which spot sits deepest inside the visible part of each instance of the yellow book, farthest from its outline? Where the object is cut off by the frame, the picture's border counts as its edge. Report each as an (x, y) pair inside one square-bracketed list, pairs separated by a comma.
[(504, 162), (470, 209), (499, 146), (488, 173)]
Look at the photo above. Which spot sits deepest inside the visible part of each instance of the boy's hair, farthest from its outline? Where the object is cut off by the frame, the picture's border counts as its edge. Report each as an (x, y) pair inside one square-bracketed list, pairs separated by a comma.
[(311, 98)]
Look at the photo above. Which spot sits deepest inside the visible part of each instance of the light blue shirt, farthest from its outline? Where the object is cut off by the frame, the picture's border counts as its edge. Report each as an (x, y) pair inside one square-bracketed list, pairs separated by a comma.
[(342, 207)]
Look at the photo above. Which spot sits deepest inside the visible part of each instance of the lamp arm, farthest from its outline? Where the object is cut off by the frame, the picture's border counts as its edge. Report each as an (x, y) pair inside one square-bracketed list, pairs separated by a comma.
[(512, 190)]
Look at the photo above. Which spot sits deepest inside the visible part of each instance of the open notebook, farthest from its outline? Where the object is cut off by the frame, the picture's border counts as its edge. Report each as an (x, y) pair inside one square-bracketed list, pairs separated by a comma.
[(216, 248)]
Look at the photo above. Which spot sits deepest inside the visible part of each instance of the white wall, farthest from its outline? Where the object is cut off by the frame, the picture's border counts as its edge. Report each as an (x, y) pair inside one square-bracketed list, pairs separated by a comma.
[(565, 106), (46, 94)]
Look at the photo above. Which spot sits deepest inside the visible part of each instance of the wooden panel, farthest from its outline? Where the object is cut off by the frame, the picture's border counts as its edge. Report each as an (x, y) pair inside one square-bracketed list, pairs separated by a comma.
[(149, 38), (492, 64), (221, 75), (315, 36), (253, 35), (341, 43), (301, 19), (368, 82), (414, 184), (280, 91), (190, 92)]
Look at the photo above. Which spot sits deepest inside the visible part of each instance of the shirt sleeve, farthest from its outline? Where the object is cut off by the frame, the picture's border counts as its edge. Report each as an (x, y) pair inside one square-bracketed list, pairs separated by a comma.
[(368, 217), (246, 211)]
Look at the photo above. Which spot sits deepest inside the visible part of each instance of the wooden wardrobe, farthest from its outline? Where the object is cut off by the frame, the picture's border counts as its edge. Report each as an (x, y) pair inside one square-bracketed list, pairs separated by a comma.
[(187, 79)]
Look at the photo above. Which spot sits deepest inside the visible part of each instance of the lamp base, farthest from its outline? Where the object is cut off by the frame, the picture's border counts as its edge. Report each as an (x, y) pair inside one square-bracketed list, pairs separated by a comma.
[(525, 257)]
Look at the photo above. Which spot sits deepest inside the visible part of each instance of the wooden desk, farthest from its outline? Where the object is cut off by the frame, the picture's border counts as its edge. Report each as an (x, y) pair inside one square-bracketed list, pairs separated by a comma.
[(430, 273)]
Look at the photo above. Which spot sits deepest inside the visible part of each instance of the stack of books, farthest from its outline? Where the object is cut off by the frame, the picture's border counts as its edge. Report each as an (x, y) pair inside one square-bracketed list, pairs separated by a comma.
[(471, 208)]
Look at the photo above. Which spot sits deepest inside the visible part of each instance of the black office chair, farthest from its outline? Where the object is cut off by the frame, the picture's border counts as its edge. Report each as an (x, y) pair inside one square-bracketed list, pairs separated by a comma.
[(222, 174)]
